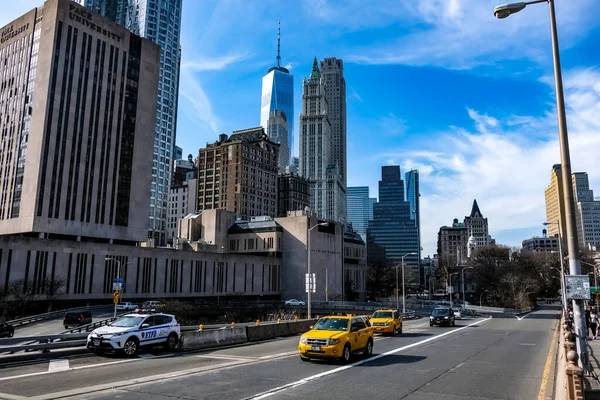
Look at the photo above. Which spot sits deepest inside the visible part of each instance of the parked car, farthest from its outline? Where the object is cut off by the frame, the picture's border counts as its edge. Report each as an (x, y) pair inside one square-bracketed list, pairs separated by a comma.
[(132, 331), (126, 306), (77, 319), (442, 316), (6, 330), (337, 336), (387, 321), (294, 302)]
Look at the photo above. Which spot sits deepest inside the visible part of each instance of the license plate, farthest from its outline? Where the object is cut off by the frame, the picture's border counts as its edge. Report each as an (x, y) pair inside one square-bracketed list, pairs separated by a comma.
[(316, 348)]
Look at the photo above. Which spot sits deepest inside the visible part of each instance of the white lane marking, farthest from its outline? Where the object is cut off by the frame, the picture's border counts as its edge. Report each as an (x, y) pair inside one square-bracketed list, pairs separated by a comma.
[(304, 381), (289, 353), (524, 316), (58, 365), (224, 357), (7, 378), (527, 344), (6, 396)]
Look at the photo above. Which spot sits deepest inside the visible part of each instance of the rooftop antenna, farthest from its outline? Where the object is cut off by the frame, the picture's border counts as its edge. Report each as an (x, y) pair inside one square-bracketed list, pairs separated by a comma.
[(278, 42)]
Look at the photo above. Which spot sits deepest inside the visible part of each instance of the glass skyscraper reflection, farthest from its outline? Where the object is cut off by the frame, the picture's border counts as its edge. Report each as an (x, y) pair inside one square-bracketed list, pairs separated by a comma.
[(392, 232), (360, 209)]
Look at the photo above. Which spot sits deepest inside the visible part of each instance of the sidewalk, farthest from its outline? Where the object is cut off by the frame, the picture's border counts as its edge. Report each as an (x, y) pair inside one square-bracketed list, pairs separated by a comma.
[(592, 382)]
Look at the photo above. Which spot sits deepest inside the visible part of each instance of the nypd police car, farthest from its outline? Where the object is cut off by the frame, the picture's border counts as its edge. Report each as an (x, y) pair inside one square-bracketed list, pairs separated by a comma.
[(132, 331)]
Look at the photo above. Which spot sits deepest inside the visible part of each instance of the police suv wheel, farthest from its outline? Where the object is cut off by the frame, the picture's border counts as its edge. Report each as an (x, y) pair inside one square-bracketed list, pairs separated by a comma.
[(172, 342), (131, 347)]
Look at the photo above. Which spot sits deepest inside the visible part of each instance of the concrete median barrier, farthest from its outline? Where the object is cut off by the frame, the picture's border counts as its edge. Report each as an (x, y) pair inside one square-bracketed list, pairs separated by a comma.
[(212, 338), (271, 331)]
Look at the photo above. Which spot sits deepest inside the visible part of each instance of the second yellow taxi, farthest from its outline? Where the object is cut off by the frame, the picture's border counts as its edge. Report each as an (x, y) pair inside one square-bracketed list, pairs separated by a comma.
[(387, 321), (337, 337)]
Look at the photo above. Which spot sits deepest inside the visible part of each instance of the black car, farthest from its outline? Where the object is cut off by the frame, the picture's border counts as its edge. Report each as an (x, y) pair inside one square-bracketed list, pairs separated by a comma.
[(77, 319), (6, 330), (442, 316)]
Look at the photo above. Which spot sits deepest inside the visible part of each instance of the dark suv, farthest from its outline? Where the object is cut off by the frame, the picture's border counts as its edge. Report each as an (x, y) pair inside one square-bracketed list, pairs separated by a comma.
[(442, 316), (6, 330), (77, 319)]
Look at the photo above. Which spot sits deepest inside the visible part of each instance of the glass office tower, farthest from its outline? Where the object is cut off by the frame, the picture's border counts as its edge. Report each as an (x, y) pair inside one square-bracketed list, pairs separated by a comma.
[(278, 94), (392, 232), (160, 22), (358, 209)]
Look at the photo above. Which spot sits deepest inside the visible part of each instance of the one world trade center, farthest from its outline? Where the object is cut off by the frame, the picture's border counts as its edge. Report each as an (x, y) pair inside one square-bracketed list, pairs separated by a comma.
[(278, 95)]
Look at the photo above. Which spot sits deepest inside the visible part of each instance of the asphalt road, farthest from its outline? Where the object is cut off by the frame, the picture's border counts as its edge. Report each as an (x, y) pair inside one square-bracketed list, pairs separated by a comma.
[(54, 326), (503, 357)]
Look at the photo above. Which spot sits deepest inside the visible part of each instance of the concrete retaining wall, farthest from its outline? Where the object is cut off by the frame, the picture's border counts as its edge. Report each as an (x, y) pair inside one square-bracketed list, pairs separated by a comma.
[(197, 340), (212, 338), (263, 332)]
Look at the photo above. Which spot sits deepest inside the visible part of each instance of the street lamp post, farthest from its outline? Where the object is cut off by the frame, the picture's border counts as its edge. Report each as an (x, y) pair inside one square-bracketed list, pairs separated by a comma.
[(450, 287), (463, 285), (565, 159), (310, 283), (326, 283), (562, 271), (403, 290)]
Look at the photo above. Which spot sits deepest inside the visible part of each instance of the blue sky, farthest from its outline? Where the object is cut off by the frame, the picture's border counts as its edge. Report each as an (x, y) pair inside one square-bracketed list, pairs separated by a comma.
[(438, 85)]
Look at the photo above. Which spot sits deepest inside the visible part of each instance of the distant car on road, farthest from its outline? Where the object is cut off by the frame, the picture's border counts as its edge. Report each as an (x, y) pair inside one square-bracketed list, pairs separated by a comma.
[(294, 302), (442, 316), (6, 330), (126, 306), (457, 313), (77, 319), (132, 331)]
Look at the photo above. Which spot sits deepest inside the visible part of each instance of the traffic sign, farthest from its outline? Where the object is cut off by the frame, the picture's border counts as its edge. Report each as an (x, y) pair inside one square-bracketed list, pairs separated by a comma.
[(311, 284), (118, 284)]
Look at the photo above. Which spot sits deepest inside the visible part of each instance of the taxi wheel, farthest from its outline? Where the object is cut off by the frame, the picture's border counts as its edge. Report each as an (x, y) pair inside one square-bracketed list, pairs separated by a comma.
[(369, 349), (347, 354), (131, 347), (172, 342)]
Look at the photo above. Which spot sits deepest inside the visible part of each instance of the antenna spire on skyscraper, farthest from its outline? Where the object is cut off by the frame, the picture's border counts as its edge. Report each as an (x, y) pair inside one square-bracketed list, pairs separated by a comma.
[(278, 42)]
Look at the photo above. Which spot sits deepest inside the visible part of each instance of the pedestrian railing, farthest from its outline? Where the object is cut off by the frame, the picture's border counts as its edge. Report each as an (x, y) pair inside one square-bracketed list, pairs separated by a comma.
[(52, 315), (574, 385)]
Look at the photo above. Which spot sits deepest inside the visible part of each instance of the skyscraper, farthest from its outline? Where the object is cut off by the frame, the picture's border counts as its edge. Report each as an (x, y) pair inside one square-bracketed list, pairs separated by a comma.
[(392, 232), (554, 202), (413, 197), (587, 211), (327, 188), (477, 227), (358, 209), (277, 131), (78, 98), (278, 94), (332, 72), (160, 22)]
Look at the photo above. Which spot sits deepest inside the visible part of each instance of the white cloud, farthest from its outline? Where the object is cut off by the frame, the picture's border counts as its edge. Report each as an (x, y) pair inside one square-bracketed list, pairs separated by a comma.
[(458, 34), (213, 64), (191, 89), (500, 164)]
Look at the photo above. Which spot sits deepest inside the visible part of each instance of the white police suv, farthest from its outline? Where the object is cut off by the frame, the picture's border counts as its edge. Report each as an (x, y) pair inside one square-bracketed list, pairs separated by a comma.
[(132, 331)]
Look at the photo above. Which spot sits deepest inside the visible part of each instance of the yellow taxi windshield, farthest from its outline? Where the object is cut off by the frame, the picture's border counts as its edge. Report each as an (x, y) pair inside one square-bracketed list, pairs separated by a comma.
[(332, 324), (382, 314)]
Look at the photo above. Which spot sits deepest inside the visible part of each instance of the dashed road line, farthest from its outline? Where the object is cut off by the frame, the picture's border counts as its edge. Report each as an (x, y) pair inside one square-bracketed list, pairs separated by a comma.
[(58, 365)]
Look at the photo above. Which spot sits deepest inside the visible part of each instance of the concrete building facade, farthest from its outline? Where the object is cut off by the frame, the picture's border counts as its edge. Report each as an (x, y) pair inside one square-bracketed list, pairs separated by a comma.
[(182, 201), (160, 22), (292, 195), (543, 244), (78, 94), (317, 162), (239, 174), (452, 243), (477, 227), (214, 255)]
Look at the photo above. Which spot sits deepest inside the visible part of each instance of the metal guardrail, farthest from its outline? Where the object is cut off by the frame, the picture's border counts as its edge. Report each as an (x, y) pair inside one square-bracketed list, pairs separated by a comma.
[(51, 315)]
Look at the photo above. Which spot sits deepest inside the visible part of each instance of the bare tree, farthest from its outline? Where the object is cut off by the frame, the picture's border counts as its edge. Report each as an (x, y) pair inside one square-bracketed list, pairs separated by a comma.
[(51, 289)]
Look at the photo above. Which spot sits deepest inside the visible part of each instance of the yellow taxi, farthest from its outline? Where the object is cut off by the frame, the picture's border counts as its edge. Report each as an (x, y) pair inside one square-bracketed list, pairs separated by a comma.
[(387, 321), (337, 337)]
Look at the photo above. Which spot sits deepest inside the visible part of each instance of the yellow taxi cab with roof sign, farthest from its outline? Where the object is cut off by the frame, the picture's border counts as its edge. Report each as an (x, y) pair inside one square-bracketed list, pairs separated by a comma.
[(387, 321), (337, 336)]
